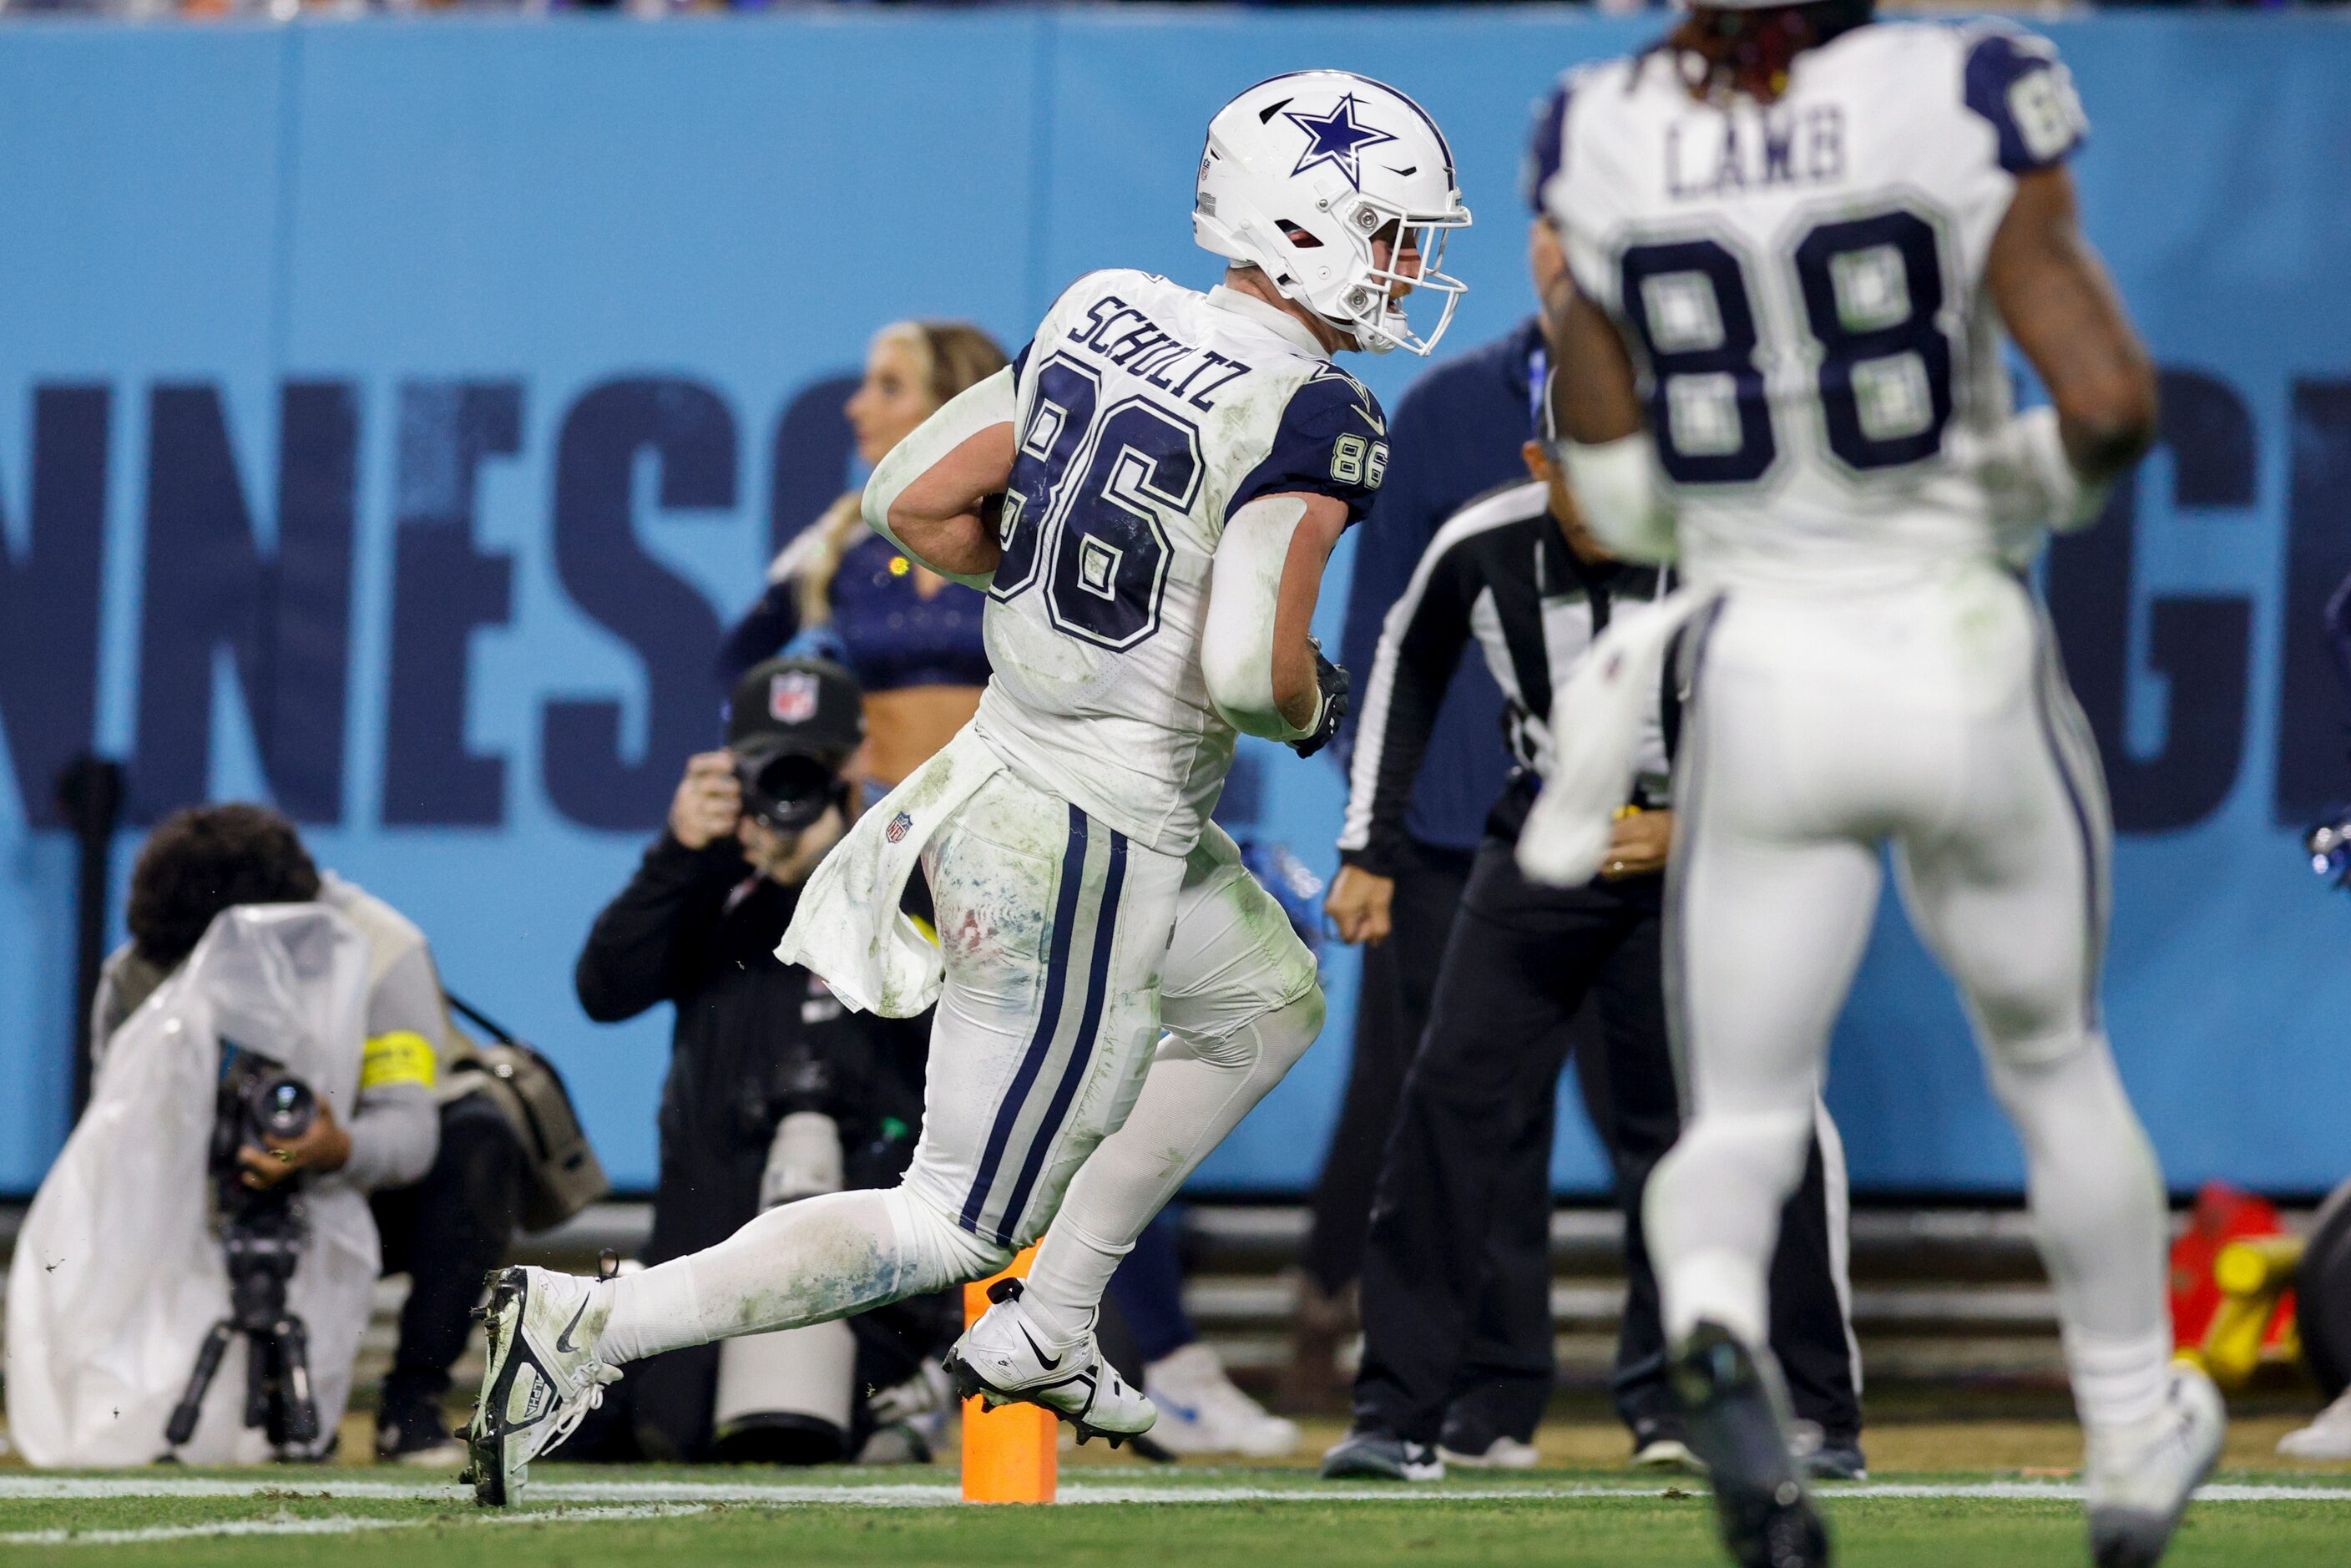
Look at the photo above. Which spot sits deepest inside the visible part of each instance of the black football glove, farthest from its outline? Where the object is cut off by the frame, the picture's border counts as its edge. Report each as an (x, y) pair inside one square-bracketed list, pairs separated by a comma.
[(1333, 681)]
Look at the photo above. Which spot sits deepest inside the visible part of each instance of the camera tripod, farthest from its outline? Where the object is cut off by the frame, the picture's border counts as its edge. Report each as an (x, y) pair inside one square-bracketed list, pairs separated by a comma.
[(263, 1248)]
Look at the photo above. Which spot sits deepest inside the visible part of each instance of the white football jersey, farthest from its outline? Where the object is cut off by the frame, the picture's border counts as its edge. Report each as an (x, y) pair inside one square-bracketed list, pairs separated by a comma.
[(1802, 283), (1146, 413)]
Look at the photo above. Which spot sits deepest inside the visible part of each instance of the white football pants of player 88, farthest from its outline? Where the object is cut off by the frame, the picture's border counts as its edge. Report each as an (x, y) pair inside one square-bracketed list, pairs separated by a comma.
[(1051, 1088), (1935, 719)]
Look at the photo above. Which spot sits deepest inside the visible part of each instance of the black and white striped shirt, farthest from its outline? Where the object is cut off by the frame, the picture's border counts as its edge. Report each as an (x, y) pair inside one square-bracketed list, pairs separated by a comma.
[(1499, 571)]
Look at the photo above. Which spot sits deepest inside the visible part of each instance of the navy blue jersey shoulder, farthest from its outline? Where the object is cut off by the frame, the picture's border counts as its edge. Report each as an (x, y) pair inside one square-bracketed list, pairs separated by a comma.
[(1020, 363), (2016, 82), (1546, 147), (1332, 441)]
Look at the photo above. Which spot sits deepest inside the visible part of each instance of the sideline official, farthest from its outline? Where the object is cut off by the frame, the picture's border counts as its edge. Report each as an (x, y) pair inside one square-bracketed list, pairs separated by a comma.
[(1467, 1169), (1455, 435)]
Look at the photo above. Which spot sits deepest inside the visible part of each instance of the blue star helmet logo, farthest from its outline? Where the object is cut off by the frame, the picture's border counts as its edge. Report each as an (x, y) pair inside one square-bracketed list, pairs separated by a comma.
[(1336, 139)]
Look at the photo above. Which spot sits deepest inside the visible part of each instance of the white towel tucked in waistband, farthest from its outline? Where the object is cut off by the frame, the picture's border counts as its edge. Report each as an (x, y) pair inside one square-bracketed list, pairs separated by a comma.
[(848, 927), (1595, 725)]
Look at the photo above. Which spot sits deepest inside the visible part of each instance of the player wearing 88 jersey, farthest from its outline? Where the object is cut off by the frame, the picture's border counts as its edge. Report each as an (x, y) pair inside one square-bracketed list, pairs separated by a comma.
[(1149, 495), (1800, 283), (1796, 239)]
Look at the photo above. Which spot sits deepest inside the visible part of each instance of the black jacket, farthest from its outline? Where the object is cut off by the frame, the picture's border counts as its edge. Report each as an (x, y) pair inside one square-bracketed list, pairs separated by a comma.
[(699, 928), (1456, 434), (1499, 575)]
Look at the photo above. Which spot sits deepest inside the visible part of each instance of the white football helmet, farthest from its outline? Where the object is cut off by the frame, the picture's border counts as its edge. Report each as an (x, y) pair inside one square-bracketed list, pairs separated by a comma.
[(1303, 171)]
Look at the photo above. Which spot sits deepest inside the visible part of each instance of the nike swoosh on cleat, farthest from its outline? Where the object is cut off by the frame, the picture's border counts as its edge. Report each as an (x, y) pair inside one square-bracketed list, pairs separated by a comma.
[(563, 1340), (1049, 1363)]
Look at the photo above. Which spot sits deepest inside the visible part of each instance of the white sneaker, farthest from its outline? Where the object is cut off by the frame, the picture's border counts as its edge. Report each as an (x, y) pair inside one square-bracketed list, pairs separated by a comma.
[(1005, 1358), (909, 1418), (542, 1376), (1200, 1411), (2328, 1437), (2138, 1479), (1667, 1454), (1504, 1453)]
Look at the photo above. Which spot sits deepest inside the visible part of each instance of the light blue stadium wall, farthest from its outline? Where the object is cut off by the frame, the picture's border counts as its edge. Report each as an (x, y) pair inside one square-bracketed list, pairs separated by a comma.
[(719, 211)]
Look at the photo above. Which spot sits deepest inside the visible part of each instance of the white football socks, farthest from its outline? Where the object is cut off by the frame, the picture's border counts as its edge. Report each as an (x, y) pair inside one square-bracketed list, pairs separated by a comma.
[(1712, 1213), (805, 1262), (1195, 1093), (2097, 1202), (843, 1252), (2099, 1214)]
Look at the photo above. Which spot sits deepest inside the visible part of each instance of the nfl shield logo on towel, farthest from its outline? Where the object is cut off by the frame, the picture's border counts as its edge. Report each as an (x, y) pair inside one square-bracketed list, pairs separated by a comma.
[(791, 697), (898, 826)]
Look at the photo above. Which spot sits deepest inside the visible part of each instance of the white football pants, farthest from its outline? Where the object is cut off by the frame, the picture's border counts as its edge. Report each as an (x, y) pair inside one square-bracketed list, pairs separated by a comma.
[(1937, 720), (1049, 1088)]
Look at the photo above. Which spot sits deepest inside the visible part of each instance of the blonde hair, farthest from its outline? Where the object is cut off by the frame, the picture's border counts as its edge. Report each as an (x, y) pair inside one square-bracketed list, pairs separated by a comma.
[(949, 356)]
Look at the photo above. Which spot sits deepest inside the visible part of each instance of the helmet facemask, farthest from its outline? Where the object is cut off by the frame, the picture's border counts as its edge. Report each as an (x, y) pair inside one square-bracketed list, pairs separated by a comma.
[(1283, 188), (1372, 304)]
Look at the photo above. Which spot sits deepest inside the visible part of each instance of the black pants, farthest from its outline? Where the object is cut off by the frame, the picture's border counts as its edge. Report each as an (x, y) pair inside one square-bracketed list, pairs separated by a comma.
[(445, 1232), (1466, 1181), (1399, 981)]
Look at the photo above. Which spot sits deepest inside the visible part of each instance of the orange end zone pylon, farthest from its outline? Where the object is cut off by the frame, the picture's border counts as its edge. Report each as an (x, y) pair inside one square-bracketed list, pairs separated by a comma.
[(1012, 1453)]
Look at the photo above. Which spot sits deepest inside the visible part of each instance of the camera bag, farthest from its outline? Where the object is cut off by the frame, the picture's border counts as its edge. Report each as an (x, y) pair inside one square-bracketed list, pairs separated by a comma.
[(561, 1175)]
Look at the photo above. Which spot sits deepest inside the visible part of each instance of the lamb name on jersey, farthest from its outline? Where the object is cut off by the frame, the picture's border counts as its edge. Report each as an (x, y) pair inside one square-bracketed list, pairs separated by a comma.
[(1802, 282), (1146, 414)]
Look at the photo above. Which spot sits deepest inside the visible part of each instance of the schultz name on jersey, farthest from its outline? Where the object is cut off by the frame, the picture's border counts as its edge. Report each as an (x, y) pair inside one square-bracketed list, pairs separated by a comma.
[(1146, 414), (1801, 284)]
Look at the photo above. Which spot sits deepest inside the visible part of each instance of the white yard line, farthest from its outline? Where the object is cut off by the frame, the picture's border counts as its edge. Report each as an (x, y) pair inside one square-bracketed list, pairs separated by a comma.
[(330, 1524), (1078, 1490)]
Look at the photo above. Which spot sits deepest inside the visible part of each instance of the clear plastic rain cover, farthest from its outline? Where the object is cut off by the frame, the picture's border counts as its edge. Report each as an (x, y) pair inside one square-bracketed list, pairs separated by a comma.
[(119, 1270)]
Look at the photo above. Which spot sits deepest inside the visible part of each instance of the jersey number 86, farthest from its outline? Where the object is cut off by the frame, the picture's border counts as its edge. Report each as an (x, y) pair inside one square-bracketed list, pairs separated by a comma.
[(1082, 510)]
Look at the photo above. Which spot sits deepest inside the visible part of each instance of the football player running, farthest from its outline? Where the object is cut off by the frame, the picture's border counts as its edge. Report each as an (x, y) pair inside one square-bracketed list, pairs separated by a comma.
[(1148, 494), (1796, 236)]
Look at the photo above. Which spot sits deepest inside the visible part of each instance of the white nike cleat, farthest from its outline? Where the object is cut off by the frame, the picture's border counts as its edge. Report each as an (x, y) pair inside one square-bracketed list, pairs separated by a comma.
[(1005, 1359), (2138, 1479), (542, 1376), (1200, 1411)]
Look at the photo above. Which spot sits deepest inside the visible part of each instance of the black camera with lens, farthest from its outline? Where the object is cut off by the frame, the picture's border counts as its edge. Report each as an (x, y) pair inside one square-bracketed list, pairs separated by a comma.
[(791, 725), (263, 1233), (788, 790), (258, 1101), (801, 1078)]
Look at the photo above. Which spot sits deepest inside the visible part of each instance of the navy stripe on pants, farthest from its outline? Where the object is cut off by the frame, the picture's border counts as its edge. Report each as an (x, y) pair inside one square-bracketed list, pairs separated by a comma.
[(1081, 1049), (1049, 1019)]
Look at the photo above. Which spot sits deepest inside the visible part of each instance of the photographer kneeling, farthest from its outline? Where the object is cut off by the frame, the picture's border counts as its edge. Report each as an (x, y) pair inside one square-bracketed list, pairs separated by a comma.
[(774, 1092), (440, 1162), (206, 858), (250, 1091)]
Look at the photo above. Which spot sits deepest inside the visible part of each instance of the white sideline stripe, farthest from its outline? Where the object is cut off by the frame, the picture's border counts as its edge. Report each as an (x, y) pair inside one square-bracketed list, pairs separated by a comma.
[(902, 1494), (332, 1524)]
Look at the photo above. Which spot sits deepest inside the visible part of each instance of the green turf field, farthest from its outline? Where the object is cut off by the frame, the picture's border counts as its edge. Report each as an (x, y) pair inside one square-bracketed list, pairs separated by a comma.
[(1208, 1517)]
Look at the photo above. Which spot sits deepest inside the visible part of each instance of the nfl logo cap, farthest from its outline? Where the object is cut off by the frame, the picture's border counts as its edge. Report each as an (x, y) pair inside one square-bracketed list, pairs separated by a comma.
[(790, 723)]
